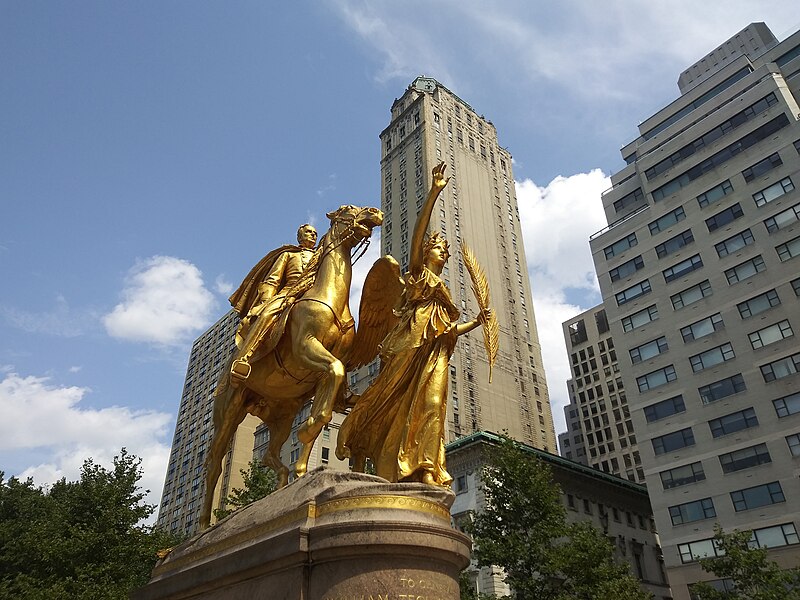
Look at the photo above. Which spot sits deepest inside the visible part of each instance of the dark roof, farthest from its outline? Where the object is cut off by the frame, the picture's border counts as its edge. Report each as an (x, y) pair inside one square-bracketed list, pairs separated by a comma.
[(492, 438)]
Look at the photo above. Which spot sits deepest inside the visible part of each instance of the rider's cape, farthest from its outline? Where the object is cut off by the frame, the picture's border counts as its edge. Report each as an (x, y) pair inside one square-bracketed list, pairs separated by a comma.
[(246, 295)]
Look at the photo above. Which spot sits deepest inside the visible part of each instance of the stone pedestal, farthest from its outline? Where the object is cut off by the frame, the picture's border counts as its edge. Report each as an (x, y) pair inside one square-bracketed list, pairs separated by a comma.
[(327, 536)]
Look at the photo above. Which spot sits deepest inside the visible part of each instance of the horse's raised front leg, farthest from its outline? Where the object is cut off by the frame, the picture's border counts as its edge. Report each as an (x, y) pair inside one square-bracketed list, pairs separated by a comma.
[(315, 357)]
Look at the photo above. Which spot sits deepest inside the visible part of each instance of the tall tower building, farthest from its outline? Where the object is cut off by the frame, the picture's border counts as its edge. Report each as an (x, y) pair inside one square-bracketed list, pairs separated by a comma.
[(184, 487), (699, 272), (601, 431), (430, 124)]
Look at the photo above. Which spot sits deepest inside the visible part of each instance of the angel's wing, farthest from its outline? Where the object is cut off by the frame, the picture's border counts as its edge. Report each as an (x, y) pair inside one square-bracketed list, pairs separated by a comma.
[(382, 290)]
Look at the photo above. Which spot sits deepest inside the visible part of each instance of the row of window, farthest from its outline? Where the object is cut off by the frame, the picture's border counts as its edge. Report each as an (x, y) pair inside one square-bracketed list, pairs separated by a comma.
[(730, 462), (761, 198), (765, 537)]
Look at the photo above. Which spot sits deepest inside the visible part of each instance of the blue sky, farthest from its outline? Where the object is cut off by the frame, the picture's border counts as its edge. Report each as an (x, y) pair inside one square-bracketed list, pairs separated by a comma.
[(151, 152)]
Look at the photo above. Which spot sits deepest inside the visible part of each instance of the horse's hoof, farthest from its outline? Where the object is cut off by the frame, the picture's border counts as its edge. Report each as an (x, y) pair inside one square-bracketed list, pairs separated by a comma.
[(300, 470), (304, 434)]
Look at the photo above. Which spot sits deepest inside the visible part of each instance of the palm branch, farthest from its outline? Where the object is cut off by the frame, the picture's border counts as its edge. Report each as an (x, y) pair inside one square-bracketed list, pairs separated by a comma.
[(480, 287)]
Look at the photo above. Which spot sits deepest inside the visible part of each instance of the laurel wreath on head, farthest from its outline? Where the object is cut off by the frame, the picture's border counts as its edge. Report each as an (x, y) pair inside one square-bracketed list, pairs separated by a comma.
[(480, 287)]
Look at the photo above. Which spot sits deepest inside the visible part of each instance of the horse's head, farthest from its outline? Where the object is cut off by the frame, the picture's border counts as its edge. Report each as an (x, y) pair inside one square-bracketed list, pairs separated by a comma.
[(351, 224)]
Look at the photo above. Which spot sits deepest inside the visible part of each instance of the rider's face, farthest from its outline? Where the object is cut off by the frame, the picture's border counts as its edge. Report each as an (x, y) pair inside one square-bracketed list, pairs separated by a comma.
[(307, 236)]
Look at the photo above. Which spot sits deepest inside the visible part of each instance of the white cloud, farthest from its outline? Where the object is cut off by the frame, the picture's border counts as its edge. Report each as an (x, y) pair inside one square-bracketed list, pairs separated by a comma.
[(164, 301), (557, 221), (42, 417), (360, 270), (61, 320), (223, 286)]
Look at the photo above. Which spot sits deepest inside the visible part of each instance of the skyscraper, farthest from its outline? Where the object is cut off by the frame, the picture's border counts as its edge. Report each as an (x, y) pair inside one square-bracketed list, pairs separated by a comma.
[(600, 430), (699, 275), (430, 124), (184, 487)]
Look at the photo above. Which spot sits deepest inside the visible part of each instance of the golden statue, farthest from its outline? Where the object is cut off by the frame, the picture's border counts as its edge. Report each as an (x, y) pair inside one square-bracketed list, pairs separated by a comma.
[(297, 352), (399, 422), (265, 292)]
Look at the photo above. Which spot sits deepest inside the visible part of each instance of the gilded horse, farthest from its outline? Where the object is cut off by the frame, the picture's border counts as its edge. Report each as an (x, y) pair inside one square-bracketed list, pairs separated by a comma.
[(308, 361)]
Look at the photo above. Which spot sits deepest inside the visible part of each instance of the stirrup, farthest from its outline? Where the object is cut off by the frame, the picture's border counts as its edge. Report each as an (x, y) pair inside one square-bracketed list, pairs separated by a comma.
[(240, 370)]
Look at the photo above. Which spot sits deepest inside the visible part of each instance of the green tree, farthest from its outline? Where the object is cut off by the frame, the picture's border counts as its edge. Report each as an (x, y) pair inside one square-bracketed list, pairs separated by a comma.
[(523, 529), (753, 576), (79, 539), (259, 482)]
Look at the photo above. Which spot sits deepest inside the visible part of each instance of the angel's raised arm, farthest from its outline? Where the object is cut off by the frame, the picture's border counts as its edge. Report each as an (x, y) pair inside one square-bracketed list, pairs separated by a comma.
[(438, 183)]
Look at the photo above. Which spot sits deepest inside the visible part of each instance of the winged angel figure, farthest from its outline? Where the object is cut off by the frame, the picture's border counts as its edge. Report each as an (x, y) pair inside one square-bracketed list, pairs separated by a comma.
[(399, 421)]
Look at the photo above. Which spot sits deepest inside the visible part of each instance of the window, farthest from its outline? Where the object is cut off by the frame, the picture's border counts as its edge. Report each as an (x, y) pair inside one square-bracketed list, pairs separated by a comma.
[(715, 194), (666, 221), (692, 511), (702, 328), (461, 484), (682, 268), (772, 537), (672, 478), (635, 197), (640, 318), (724, 217), (773, 192), (722, 389), (712, 357), (663, 409), (694, 551), (626, 268), (788, 250), (656, 378), (737, 421), (796, 286), (781, 368), (756, 496), (744, 458), (673, 441), (794, 443), (783, 219), (620, 246), (761, 167), (770, 335), (758, 304), (745, 270), (788, 405), (649, 350), (691, 295), (675, 243), (633, 292), (734, 243)]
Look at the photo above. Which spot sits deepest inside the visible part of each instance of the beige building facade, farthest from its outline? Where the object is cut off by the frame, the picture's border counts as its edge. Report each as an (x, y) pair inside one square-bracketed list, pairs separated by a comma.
[(430, 124), (600, 432), (700, 276)]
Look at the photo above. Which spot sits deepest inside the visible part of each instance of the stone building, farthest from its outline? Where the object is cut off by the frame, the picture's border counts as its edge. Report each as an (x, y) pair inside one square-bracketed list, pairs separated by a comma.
[(617, 506)]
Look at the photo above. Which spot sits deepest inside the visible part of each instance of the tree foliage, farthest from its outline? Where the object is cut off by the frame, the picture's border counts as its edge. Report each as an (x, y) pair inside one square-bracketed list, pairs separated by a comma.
[(523, 529), (752, 575), (259, 482), (79, 539)]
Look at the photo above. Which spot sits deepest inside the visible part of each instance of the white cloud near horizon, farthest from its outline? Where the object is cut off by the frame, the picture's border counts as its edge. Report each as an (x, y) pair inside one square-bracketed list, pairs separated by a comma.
[(40, 416), (557, 220), (164, 302)]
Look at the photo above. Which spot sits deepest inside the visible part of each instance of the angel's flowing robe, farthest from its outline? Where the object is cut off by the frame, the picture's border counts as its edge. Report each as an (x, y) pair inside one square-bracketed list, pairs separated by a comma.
[(399, 422)]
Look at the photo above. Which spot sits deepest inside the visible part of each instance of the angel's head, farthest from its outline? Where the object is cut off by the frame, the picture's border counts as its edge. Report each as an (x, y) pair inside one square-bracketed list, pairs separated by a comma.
[(436, 250)]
